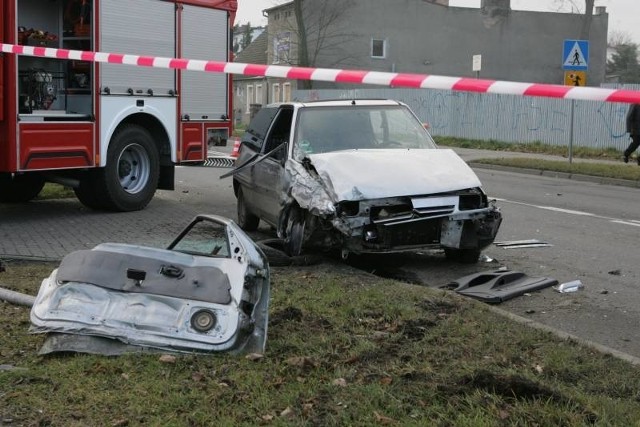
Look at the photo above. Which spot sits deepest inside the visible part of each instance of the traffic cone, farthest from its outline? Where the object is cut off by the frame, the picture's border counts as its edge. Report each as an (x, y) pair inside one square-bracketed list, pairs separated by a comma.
[(236, 147)]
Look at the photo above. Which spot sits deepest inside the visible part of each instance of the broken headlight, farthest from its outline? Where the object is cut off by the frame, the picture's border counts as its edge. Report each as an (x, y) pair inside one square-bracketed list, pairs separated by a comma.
[(471, 199), (348, 208)]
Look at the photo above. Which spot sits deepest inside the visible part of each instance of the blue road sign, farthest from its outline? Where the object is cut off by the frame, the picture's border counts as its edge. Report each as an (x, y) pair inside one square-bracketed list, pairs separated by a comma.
[(575, 55)]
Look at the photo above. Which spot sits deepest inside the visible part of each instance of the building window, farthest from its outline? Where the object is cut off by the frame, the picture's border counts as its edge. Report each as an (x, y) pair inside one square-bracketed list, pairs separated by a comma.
[(259, 94), (276, 92), (281, 47), (286, 92), (250, 99), (378, 48)]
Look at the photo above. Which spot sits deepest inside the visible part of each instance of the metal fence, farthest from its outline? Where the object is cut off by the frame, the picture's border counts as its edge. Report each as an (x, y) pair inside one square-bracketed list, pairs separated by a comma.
[(505, 118)]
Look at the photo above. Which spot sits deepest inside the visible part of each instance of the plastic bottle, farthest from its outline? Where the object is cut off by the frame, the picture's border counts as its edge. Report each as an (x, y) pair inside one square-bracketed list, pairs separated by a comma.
[(572, 286)]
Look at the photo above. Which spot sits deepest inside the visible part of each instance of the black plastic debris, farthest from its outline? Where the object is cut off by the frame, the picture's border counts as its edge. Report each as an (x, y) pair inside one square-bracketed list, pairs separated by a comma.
[(498, 285)]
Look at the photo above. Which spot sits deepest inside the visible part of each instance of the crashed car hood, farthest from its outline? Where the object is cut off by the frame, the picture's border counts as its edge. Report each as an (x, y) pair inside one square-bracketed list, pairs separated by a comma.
[(347, 174)]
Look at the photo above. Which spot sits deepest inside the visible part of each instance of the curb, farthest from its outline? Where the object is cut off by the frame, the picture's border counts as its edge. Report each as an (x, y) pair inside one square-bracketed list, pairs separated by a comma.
[(566, 336), (553, 174)]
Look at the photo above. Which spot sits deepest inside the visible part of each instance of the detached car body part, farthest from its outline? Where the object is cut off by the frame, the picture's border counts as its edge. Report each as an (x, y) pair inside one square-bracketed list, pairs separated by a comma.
[(363, 176), (209, 291)]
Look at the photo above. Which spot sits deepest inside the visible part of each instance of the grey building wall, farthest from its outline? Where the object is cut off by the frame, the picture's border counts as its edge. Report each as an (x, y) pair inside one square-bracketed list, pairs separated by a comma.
[(427, 38)]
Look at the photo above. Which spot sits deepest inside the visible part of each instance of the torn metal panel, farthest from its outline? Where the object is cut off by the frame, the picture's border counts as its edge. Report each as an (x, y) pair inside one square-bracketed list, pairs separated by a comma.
[(499, 285), (519, 244), (209, 292), (307, 189)]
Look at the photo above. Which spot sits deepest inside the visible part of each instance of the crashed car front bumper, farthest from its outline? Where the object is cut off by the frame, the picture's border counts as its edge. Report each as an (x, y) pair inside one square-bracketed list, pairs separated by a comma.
[(403, 224)]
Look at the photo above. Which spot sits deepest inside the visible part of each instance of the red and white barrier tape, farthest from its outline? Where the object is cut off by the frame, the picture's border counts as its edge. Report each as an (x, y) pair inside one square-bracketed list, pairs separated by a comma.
[(416, 81)]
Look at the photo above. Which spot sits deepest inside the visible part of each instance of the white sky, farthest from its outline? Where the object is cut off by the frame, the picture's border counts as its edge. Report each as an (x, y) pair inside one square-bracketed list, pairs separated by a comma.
[(623, 14)]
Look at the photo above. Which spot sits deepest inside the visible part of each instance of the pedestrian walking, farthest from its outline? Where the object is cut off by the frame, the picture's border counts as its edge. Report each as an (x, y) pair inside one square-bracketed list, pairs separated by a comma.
[(633, 127)]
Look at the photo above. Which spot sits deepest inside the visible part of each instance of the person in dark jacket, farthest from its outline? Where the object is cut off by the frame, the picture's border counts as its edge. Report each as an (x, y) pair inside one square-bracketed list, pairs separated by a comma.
[(633, 127)]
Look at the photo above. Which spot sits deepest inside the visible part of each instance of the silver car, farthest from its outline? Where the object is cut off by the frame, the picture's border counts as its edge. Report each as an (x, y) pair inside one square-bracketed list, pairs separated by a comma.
[(361, 176)]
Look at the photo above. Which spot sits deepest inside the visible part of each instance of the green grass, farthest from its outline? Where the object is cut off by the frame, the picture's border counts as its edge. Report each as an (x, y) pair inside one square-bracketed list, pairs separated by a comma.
[(610, 153), (55, 191), (622, 171), (344, 348), (606, 169)]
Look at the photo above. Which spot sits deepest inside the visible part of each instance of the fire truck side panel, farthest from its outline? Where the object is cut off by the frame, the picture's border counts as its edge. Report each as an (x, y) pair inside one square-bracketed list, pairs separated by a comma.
[(192, 137), (141, 27), (115, 110), (46, 146)]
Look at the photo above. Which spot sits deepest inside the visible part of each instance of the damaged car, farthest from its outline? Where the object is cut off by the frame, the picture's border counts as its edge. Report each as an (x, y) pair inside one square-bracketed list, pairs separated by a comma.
[(360, 176), (207, 292)]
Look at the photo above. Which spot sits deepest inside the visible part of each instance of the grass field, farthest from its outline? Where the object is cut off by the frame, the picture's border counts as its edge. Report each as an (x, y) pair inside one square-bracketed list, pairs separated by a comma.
[(344, 348)]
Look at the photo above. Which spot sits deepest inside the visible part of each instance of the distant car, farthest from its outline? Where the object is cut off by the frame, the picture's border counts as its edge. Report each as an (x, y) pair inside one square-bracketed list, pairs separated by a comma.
[(209, 291), (361, 176)]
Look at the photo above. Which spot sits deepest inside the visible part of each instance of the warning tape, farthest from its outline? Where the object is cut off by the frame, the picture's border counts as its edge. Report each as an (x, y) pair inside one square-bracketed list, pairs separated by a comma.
[(396, 80)]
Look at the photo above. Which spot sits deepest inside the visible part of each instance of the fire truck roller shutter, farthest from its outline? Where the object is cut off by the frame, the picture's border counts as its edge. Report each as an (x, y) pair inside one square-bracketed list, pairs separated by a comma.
[(204, 95), (141, 27)]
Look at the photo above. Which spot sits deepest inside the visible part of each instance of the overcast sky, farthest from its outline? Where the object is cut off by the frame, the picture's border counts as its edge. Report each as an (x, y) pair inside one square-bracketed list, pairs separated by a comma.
[(623, 14)]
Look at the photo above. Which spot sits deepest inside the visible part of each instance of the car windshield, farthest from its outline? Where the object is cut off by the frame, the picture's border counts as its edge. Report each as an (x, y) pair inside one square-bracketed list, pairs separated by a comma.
[(326, 129)]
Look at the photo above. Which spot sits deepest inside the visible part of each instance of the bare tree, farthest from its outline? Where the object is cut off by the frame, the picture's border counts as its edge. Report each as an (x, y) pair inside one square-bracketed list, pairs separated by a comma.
[(574, 7), (320, 28), (618, 38)]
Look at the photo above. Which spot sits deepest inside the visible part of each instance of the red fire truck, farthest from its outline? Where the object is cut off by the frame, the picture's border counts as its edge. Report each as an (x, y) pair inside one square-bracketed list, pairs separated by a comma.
[(112, 132)]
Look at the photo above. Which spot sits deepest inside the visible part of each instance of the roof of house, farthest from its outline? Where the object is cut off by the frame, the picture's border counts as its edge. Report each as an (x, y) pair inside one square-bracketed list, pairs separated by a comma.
[(256, 52)]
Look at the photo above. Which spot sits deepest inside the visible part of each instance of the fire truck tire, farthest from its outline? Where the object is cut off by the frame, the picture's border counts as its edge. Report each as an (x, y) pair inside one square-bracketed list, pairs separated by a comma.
[(87, 193), (130, 178), (20, 188)]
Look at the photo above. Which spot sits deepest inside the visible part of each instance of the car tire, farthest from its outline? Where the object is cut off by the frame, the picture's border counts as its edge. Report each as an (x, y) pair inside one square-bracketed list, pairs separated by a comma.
[(294, 232), (20, 188), (463, 256), (130, 178), (246, 220)]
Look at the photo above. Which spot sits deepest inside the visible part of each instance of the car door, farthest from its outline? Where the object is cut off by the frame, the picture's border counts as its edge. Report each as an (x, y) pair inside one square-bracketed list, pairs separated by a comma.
[(268, 174), (252, 143)]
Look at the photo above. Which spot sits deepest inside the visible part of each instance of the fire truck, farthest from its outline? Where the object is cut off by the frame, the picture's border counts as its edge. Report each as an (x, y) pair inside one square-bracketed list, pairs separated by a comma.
[(112, 132)]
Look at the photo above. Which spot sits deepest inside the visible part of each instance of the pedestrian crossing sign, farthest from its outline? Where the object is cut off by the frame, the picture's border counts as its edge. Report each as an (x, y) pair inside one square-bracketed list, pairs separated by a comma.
[(576, 55)]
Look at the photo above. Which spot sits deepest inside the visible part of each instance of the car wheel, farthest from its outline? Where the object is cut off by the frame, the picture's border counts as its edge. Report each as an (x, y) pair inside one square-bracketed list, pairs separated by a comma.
[(464, 256), (294, 237), (20, 188), (130, 178), (246, 220)]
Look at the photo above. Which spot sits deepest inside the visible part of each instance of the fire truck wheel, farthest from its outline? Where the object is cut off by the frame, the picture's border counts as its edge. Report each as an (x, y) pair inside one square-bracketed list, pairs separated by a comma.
[(129, 180), (20, 188), (86, 192), (246, 220)]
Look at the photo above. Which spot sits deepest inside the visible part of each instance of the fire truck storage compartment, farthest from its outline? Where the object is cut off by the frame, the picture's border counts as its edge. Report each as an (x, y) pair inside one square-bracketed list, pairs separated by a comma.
[(204, 95), (140, 27), (53, 89)]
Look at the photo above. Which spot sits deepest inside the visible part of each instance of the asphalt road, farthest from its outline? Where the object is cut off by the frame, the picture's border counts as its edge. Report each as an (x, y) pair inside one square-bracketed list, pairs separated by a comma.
[(593, 230)]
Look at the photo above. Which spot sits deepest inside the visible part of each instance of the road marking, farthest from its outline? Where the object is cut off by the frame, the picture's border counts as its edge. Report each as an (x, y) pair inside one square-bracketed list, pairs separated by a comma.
[(633, 222)]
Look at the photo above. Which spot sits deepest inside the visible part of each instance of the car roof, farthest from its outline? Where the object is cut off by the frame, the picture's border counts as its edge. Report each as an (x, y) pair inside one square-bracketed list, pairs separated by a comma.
[(339, 102)]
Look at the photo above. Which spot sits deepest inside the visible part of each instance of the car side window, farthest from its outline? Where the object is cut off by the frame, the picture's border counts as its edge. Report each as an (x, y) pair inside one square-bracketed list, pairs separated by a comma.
[(258, 127), (279, 133)]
